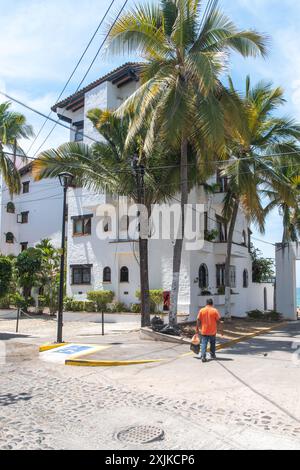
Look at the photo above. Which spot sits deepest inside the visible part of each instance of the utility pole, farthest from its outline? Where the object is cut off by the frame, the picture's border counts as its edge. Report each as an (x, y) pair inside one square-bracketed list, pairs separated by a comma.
[(139, 171), (65, 181)]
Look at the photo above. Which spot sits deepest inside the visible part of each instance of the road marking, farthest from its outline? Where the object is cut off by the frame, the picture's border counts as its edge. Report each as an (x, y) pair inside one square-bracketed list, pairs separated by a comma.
[(70, 351)]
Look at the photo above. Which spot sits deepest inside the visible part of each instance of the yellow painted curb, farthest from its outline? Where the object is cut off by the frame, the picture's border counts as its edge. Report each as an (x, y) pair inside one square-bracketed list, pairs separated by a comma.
[(86, 363), (243, 338), (49, 347)]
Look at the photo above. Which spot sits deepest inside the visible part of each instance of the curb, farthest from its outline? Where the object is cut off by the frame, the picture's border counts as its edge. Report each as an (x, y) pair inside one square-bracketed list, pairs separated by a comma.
[(87, 363), (232, 342), (49, 347), (251, 335), (148, 334)]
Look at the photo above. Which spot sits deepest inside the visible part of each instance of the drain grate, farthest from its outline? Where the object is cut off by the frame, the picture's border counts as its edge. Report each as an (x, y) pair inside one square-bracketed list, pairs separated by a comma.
[(141, 435)]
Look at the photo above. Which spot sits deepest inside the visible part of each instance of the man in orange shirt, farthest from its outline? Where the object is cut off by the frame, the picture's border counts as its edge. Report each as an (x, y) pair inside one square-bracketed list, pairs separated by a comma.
[(209, 319)]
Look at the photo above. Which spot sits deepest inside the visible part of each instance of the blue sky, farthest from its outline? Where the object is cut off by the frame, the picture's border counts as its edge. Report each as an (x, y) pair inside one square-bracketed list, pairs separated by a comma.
[(41, 42)]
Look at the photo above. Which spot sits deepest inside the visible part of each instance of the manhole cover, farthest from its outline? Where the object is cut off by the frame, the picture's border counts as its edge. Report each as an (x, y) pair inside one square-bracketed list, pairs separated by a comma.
[(141, 434)]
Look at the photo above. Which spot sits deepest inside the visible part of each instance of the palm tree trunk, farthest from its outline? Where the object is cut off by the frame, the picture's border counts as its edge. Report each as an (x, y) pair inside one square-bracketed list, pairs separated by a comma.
[(144, 278), (228, 260), (179, 242)]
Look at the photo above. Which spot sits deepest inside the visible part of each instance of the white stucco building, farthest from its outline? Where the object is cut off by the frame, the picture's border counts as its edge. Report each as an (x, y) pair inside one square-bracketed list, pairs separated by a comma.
[(96, 259), (32, 215), (97, 263)]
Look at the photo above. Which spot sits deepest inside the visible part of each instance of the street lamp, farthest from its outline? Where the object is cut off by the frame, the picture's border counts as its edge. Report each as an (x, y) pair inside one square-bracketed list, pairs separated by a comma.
[(65, 180)]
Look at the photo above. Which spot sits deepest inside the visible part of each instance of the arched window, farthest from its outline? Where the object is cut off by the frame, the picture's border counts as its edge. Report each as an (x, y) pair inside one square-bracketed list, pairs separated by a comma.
[(10, 208), (9, 238), (124, 274), (245, 278), (203, 277), (107, 274)]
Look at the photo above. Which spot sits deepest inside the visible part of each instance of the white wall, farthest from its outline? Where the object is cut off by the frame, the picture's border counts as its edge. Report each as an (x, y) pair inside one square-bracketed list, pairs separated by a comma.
[(44, 203)]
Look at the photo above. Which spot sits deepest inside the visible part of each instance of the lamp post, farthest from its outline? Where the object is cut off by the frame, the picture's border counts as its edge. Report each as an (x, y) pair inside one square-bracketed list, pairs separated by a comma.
[(65, 180)]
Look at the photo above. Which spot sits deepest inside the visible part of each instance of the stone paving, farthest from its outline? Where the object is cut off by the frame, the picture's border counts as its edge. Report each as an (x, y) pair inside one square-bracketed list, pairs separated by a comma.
[(44, 408)]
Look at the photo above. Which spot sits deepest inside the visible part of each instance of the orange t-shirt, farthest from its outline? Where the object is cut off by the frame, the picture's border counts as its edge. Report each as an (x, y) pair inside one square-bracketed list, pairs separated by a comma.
[(208, 316)]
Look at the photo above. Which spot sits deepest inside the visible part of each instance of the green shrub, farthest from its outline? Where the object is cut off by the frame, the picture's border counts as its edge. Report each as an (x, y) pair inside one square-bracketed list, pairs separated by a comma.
[(136, 308), (5, 275), (78, 306), (5, 302), (101, 299), (205, 292), (221, 290), (256, 314), (19, 301), (68, 304), (273, 316), (118, 307), (156, 298), (90, 306), (72, 305)]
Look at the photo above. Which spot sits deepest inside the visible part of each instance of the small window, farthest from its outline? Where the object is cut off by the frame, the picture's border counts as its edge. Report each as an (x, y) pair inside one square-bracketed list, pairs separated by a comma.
[(23, 218), (124, 275), (79, 131), (9, 237), (222, 229), (81, 275), (26, 187), (232, 276), (24, 247), (10, 208), (82, 225), (107, 274), (221, 275), (222, 182), (203, 277), (245, 278)]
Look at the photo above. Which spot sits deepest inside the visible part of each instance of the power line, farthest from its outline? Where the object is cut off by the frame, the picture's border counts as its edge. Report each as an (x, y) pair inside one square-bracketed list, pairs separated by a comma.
[(87, 72), (73, 73), (43, 115), (215, 162), (162, 167)]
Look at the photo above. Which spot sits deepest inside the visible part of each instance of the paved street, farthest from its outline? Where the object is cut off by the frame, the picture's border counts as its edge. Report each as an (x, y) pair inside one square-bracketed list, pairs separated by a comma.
[(249, 398)]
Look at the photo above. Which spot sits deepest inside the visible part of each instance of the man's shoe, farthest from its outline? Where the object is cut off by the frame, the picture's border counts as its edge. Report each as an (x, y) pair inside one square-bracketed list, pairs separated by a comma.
[(213, 356), (204, 359)]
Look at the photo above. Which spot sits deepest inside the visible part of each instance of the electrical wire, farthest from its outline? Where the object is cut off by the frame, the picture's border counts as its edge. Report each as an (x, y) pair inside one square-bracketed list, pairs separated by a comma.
[(87, 72), (73, 72)]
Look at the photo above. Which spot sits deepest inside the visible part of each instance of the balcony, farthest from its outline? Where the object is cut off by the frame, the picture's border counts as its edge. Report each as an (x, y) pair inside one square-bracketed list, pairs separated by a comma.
[(238, 251)]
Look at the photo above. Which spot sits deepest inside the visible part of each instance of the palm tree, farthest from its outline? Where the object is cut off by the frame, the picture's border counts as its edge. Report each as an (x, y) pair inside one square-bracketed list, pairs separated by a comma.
[(287, 169), (106, 166), (251, 169), (185, 50), (50, 271), (13, 127)]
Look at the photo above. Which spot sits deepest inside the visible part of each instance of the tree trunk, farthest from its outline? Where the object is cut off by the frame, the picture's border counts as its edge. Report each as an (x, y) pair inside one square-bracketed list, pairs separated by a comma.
[(179, 241), (144, 277), (228, 260)]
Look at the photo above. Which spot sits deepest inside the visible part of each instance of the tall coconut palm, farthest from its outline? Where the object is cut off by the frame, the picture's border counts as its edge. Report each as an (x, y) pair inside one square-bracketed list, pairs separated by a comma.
[(13, 126), (185, 48), (251, 170), (287, 169), (106, 166)]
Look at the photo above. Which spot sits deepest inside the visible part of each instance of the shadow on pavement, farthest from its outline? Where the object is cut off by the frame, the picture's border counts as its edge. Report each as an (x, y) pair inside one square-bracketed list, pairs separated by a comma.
[(10, 399), (8, 336)]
